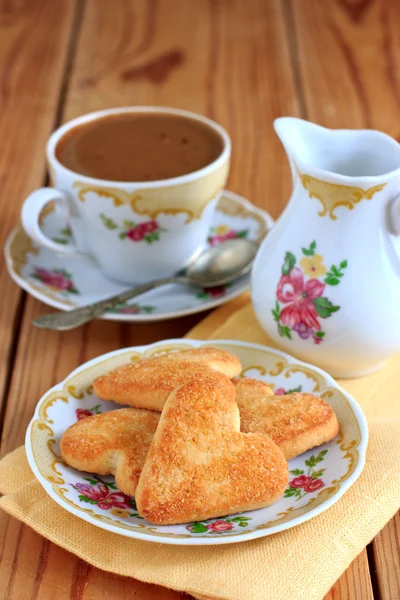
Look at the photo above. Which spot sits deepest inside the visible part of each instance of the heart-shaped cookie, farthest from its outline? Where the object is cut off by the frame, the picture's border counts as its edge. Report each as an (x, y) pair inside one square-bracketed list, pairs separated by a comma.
[(112, 443), (200, 466), (296, 422), (147, 383)]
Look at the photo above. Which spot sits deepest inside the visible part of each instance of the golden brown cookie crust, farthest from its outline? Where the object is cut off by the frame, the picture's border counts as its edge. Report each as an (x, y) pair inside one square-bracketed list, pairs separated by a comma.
[(147, 383), (199, 464), (296, 422), (114, 442)]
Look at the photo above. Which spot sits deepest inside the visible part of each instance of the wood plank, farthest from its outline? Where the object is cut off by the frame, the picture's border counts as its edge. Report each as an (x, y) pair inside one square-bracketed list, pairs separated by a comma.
[(386, 552), (33, 48), (355, 583), (34, 42), (348, 55), (219, 58)]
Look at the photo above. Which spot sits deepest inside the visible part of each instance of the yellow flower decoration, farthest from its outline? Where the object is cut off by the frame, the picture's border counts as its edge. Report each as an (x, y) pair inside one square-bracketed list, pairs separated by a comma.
[(221, 230), (313, 266), (119, 512)]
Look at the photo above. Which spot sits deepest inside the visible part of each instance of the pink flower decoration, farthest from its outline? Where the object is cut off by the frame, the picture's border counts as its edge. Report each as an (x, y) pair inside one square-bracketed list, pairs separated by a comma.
[(300, 482), (136, 234), (150, 226), (82, 413), (57, 280), (129, 310), (216, 292), (102, 495), (217, 239), (313, 485), (298, 296), (220, 526), (280, 392), (307, 483)]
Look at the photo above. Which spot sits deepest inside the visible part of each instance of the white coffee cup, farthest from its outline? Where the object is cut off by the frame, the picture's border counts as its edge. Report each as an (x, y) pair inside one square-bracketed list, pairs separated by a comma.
[(135, 231)]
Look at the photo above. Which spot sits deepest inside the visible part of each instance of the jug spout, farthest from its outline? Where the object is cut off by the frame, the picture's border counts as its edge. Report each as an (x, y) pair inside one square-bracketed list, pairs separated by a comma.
[(340, 154)]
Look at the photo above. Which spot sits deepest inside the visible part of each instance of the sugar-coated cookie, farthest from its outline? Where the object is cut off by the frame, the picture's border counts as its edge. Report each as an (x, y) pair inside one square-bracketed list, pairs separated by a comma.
[(147, 383), (295, 422), (217, 359), (114, 442), (200, 466)]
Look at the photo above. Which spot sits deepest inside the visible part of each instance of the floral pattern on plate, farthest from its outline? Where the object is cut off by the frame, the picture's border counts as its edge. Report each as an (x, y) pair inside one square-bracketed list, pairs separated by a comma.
[(82, 413), (106, 496), (233, 214), (282, 391), (310, 482), (300, 295), (218, 525)]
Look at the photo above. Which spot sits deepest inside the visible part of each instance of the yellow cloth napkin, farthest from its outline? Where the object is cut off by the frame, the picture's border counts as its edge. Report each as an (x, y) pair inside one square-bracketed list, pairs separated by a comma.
[(301, 563)]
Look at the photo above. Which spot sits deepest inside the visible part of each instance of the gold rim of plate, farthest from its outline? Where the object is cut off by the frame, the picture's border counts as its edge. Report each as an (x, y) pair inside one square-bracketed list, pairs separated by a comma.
[(352, 439)]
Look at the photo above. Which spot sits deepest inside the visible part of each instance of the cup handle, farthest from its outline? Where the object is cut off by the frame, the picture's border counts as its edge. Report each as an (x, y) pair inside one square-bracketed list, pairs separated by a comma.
[(30, 214)]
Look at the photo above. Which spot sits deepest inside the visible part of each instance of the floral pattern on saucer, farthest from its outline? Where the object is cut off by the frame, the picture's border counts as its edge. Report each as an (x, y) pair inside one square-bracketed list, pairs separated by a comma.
[(224, 232), (65, 283), (215, 292), (124, 308), (57, 279)]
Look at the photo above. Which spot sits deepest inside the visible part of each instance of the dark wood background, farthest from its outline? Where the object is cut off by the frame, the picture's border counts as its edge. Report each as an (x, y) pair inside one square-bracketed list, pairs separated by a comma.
[(242, 63)]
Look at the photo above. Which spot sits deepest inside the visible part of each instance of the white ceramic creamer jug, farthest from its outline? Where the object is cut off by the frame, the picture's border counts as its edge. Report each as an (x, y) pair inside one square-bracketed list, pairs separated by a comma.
[(326, 280)]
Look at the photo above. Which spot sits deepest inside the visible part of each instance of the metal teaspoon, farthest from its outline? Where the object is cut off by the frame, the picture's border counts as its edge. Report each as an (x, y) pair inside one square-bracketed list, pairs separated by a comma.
[(215, 266)]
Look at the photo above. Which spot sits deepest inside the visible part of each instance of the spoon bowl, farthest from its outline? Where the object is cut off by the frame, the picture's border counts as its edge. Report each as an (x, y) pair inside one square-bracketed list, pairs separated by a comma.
[(222, 264)]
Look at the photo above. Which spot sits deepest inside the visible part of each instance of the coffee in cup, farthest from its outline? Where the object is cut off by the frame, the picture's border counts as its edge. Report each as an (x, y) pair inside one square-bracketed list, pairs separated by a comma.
[(139, 147)]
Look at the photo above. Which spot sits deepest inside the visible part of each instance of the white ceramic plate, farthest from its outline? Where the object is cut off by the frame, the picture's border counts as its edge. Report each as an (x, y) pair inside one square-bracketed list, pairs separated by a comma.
[(66, 283), (318, 478)]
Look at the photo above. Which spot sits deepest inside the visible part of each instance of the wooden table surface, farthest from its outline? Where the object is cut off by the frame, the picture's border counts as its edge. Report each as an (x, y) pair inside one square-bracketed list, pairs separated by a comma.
[(243, 63)]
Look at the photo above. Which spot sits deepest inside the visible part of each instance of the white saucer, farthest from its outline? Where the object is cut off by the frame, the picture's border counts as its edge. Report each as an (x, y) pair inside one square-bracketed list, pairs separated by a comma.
[(67, 283), (318, 478)]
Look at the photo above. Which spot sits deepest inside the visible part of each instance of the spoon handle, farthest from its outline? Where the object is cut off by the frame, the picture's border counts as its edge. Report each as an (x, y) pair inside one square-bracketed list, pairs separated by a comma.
[(62, 321)]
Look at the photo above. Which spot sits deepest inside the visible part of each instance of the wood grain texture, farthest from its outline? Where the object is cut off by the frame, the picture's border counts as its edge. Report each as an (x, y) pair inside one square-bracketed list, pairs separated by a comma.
[(33, 47), (386, 551), (349, 58), (355, 583), (243, 64)]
